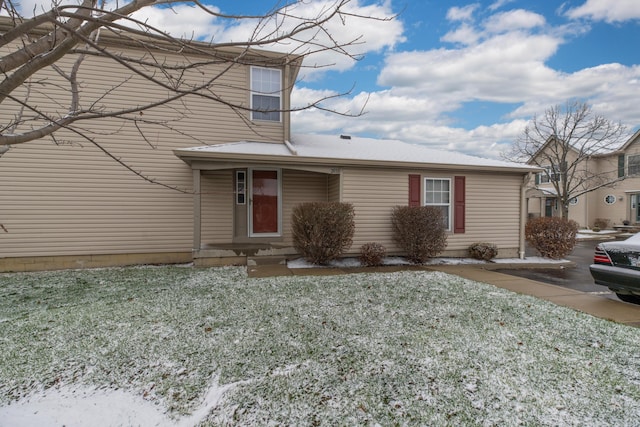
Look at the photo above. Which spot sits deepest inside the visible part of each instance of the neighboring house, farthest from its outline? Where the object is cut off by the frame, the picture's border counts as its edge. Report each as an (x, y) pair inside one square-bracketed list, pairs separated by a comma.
[(68, 205), (616, 203)]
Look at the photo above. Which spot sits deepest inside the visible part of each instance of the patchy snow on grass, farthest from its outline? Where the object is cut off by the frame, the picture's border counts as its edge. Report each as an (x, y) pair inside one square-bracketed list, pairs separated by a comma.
[(391, 261), (179, 346)]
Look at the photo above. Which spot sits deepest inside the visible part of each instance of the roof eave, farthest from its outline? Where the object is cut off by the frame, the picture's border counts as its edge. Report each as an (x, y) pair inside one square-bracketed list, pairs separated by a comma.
[(190, 156)]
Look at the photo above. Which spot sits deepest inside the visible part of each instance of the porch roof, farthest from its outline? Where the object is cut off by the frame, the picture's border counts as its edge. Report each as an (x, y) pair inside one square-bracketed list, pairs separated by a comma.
[(337, 150)]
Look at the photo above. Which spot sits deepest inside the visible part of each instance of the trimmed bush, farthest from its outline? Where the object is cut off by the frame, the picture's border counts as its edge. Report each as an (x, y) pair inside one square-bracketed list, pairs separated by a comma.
[(553, 237), (420, 231), (483, 251), (322, 231), (372, 254), (600, 224)]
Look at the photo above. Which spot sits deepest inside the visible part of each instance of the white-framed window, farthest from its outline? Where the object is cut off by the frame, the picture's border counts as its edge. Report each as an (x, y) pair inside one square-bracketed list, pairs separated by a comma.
[(610, 199), (241, 187), (437, 193), (551, 174), (633, 168), (266, 94), (573, 201)]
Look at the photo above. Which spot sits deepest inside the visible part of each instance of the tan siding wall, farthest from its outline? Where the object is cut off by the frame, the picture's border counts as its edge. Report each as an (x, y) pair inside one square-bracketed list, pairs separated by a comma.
[(492, 208), (78, 201), (492, 211), (299, 187), (72, 198), (373, 194), (334, 188), (217, 207)]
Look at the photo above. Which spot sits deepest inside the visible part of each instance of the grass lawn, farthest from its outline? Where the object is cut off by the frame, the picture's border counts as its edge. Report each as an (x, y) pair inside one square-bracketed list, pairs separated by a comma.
[(214, 347)]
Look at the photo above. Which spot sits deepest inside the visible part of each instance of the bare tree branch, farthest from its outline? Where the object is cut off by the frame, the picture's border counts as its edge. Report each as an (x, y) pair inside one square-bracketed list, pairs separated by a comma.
[(44, 67)]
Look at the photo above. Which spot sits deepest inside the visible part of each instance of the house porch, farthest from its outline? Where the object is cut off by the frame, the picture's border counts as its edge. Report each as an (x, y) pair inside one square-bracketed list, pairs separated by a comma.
[(213, 255)]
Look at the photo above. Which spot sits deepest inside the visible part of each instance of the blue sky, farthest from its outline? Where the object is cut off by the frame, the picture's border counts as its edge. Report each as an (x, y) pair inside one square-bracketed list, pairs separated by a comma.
[(468, 75), (457, 75)]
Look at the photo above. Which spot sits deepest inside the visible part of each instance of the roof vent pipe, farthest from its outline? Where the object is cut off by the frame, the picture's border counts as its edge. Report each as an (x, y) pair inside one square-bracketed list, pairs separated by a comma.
[(345, 136)]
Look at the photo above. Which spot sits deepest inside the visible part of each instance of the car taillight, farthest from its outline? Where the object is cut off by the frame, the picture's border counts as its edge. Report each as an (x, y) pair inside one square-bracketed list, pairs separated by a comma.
[(601, 257)]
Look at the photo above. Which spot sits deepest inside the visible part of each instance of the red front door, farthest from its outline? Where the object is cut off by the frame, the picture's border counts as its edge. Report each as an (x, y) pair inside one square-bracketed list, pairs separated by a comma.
[(264, 207)]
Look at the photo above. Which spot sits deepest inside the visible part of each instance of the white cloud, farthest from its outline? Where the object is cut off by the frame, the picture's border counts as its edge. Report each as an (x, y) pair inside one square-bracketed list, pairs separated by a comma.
[(465, 34), (512, 20), (181, 21), (462, 13), (607, 10), (498, 4), (478, 72)]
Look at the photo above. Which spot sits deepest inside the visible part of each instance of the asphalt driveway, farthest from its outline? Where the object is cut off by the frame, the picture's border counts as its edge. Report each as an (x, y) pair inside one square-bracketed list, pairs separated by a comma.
[(577, 278)]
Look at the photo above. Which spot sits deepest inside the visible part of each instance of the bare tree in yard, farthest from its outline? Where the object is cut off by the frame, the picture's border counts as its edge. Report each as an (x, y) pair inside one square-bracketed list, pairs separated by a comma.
[(62, 38), (562, 141)]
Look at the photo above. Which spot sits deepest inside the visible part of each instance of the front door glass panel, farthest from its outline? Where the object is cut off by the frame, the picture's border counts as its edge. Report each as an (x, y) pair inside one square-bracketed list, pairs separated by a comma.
[(264, 194)]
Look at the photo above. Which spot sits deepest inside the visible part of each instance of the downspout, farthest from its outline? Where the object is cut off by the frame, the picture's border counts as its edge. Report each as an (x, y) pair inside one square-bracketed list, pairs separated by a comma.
[(290, 147), (523, 213), (286, 113)]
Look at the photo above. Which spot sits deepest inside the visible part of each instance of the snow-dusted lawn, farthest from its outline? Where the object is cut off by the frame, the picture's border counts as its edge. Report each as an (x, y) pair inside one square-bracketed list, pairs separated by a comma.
[(168, 345)]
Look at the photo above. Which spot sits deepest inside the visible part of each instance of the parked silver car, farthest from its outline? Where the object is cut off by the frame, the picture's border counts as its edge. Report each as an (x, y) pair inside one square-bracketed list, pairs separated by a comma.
[(616, 265)]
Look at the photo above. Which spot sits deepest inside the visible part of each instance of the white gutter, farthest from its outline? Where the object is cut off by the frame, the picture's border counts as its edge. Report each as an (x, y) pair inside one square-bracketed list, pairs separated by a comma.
[(290, 147)]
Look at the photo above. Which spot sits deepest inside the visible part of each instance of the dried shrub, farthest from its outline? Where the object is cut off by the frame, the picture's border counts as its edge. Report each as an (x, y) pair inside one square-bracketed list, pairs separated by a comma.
[(484, 251), (601, 223), (322, 231), (420, 231), (372, 254), (551, 236)]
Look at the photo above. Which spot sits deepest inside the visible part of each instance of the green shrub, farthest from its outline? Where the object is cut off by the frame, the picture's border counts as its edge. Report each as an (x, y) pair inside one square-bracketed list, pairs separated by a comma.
[(483, 251), (322, 231), (372, 254), (551, 236), (420, 231)]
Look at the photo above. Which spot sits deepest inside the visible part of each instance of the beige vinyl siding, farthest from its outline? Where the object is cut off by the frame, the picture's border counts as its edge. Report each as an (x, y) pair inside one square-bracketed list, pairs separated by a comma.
[(299, 187), (334, 188), (492, 207), (217, 207), (373, 194), (77, 201), (492, 211), (73, 199), (196, 119)]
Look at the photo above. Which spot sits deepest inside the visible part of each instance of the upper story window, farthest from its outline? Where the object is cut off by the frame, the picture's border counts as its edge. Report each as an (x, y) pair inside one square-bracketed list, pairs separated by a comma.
[(551, 174), (437, 192), (266, 94), (634, 164)]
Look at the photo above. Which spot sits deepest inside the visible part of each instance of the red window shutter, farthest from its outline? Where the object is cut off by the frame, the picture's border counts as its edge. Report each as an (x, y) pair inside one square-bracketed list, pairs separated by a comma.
[(414, 190), (459, 204)]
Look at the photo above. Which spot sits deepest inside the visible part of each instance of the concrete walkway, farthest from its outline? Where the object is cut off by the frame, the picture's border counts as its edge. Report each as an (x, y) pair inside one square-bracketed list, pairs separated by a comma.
[(617, 311)]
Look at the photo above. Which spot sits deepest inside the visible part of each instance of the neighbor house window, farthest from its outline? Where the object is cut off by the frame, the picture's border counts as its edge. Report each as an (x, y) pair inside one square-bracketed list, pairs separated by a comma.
[(266, 98), (551, 174), (437, 193), (634, 165)]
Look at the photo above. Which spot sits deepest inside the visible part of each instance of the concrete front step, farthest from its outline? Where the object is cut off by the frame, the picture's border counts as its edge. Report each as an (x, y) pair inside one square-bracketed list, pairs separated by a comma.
[(267, 260)]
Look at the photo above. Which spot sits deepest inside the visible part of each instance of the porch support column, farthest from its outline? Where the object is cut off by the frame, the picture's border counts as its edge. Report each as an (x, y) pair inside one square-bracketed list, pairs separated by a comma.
[(197, 211)]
